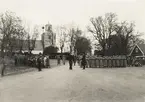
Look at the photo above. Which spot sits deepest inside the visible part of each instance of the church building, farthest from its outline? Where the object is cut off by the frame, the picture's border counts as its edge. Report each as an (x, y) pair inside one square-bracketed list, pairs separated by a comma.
[(48, 36)]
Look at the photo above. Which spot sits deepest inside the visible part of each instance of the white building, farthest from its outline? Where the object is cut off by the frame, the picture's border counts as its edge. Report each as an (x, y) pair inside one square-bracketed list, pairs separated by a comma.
[(48, 36)]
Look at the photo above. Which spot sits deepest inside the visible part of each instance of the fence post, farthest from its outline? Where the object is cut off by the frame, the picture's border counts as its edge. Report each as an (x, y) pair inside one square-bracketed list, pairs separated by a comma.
[(1, 69), (125, 63), (100, 62), (105, 62)]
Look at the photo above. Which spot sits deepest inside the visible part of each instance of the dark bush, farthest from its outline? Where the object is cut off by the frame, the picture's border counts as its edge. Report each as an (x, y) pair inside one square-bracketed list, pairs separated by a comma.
[(49, 50)]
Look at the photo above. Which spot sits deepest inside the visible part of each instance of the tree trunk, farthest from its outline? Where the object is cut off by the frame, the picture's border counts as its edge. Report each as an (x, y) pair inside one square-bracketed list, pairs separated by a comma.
[(61, 48), (2, 50), (70, 49), (104, 50)]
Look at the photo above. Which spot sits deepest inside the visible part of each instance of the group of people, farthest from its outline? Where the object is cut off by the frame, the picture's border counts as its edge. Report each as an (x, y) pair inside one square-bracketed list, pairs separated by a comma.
[(38, 61), (42, 61), (81, 61), (72, 59), (63, 57)]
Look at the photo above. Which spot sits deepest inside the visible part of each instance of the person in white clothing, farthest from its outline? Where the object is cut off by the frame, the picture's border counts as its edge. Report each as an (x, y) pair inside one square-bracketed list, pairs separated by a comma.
[(45, 58)]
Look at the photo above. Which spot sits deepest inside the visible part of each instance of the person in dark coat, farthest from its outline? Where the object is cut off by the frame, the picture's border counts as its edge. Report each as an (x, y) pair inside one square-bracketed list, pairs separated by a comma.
[(4, 66), (39, 63), (63, 59), (84, 62), (58, 59), (70, 58), (74, 60), (16, 59)]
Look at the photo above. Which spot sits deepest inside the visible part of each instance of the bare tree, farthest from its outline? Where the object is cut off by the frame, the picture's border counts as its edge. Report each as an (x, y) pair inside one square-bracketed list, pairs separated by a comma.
[(63, 34), (21, 39), (11, 29), (127, 34), (102, 28), (73, 34), (35, 36), (32, 39)]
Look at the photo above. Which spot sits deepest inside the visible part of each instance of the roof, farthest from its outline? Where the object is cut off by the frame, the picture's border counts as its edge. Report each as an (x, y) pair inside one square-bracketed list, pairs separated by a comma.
[(140, 52), (36, 52), (142, 47)]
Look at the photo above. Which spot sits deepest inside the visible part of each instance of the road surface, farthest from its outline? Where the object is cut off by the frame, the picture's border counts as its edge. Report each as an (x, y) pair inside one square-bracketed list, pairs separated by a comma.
[(62, 85)]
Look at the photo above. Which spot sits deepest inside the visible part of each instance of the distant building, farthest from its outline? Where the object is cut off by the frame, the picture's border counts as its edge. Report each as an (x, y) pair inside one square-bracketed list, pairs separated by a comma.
[(49, 37), (37, 49), (138, 50)]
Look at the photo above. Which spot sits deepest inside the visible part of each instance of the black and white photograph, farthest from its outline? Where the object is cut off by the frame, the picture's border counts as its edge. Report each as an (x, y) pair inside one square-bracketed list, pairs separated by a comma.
[(72, 50)]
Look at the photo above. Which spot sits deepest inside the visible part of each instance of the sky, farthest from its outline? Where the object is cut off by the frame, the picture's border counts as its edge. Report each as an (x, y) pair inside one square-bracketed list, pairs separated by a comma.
[(79, 12)]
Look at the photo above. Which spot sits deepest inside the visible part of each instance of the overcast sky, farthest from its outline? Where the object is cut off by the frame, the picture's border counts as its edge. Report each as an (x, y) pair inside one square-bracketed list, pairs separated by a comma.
[(59, 12)]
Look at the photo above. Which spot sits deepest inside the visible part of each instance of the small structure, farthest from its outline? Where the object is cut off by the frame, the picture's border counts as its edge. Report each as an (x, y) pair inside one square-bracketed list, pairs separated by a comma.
[(137, 55), (137, 50)]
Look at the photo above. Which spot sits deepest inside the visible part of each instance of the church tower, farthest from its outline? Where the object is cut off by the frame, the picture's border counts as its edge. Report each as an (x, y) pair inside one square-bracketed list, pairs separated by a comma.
[(48, 36)]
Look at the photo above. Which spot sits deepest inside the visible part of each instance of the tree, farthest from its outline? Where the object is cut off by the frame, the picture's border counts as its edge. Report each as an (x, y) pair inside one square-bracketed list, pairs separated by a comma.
[(73, 34), (11, 29), (63, 34), (34, 36), (50, 50), (82, 45), (112, 35), (32, 39), (102, 28), (136, 39), (115, 45), (19, 42), (126, 32)]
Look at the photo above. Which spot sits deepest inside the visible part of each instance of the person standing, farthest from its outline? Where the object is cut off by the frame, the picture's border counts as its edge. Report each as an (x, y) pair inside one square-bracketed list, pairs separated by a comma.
[(3, 66), (78, 60), (45, 61), (42, 61), (63, 59), (16, 59), (84, 62), (48, 62), (39, 63), (74, 60), (70, 58), (58, 59)]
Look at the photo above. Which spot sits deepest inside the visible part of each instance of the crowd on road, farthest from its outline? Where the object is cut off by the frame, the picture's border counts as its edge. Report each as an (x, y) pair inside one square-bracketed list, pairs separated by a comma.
[(43, 61), (81, 60), (26, 60), (32, 60)]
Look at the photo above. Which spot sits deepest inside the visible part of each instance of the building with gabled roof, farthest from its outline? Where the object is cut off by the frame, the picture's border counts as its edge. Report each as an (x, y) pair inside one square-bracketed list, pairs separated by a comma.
[(138, 50)]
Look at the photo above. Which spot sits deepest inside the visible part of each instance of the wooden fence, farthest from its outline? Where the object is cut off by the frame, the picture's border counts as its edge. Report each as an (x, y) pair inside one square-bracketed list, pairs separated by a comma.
[(106, 62)]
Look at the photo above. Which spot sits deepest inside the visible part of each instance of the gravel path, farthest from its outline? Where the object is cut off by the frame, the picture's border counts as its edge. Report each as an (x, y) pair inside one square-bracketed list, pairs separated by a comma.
[(62, 85)]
